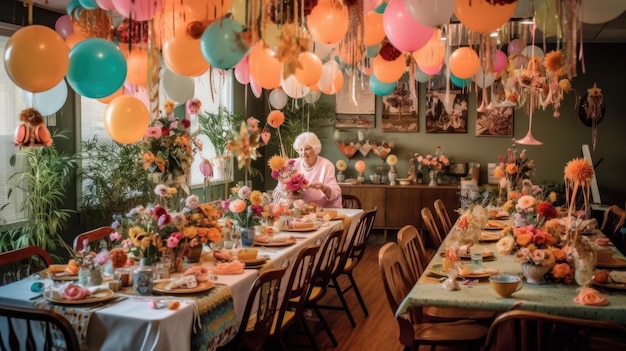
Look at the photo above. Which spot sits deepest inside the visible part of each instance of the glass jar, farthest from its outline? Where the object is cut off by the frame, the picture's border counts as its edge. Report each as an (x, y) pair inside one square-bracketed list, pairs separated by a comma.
[(143, 278)]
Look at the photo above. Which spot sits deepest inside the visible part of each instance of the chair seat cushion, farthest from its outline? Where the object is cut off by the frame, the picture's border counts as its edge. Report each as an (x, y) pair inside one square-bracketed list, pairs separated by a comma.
[(460, 332), (446, 313)]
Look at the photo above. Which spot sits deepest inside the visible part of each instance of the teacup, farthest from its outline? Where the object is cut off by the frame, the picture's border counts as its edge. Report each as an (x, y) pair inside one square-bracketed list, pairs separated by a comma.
[(505, 285)]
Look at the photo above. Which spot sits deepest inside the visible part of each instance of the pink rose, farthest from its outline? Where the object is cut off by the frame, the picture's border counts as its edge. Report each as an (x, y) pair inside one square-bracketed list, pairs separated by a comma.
[(590, 297), (237, 206)]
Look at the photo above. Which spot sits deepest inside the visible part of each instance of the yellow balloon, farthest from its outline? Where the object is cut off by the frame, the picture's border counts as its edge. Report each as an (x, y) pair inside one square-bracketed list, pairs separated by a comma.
[(126, 119)]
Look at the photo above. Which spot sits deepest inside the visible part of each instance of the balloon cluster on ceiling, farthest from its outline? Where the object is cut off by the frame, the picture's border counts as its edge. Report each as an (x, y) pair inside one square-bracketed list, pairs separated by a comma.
[(296, 48)]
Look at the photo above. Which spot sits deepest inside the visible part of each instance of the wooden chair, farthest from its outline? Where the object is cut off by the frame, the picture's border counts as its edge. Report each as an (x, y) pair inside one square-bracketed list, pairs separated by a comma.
[(409, 241), (263, 297), (351, 201), (520, 330), (612, 223), (444, 218), (43, 330), (414, 331), (298, 288), (20, 263), (435, 236), (92, 236), (326, 264)]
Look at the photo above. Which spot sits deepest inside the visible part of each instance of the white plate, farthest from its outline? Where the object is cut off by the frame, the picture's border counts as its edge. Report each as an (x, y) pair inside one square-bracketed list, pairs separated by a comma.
[(102, 295), (202, 286)]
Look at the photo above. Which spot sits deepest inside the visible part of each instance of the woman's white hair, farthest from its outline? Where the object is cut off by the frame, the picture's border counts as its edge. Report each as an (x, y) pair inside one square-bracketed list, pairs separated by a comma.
[(308, 139)]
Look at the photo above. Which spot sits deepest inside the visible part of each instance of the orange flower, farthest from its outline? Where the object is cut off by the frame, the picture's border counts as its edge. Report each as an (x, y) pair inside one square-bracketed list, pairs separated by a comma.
[(511, 168), (275, 119), (237, 206), (579, 170), (498, 172), (276, 163), (559, 254), (553, 62), (560, 270), (523, 239)]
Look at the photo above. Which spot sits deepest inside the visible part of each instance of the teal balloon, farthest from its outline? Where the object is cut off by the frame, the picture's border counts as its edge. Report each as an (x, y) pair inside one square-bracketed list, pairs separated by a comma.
[(379, 88), (461, 83), (380, 9), (97, 68), (222, 44), (89, 4), (372, 51), (74, 5)]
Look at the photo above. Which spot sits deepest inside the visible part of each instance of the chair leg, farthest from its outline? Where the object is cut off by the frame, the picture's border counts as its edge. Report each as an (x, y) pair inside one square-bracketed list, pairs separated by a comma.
[(309, 333), (344, 303), (329, 332), (358, 293)]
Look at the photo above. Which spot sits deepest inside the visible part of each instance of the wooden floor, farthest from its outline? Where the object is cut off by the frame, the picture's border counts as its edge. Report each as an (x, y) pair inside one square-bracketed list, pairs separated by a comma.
[(378, 331)]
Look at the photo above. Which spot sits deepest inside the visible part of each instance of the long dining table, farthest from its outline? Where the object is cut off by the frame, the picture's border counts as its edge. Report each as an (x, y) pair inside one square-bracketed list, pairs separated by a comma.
[(552, 298), (203, 321)]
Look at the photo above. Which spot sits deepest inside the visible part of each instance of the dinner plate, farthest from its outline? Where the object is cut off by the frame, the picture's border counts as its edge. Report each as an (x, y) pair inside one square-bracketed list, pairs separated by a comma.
[(618, 286), (615, 263), (307, 229), (499, 217), (276, 243), (72, 277), (486, 254), (437, 270), (490, 237), (202, 286), (483, 274), (102, 295), (254, 262)]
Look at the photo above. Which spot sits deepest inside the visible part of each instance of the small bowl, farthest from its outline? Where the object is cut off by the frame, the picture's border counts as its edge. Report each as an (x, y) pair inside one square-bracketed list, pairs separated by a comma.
[(404, 181)]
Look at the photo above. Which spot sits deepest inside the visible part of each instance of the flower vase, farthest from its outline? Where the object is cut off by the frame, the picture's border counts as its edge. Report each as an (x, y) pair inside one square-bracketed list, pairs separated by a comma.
[(433, 177), (89, 277), (247, 236), (194, 254), (393, 176), (534, 272), (178, 265), (340, 176), (293, 196)]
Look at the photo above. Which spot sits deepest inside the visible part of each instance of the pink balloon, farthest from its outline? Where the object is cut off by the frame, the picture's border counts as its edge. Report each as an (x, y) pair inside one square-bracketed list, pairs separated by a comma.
[(515, 47), (64, 26), (431, 71), (242, 71), (256, 88), (106, 4), (369, 5), (500, 61), (138, 10), (138, 92), (402, 30)]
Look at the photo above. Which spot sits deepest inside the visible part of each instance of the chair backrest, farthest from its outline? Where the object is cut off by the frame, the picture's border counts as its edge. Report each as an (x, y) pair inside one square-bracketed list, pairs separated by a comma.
[(351, 201), (429, 221), (264, 297), (612, 223), (520, 330), (360, 236), (444, 218), (394, 272), (92, 236), (42, 327), (20, 263), (330, 253), (413, 251), (299, 282)]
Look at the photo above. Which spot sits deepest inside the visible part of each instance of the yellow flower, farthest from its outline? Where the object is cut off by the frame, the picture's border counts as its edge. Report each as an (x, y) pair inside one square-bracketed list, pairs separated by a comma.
[(341, 165), (552, 197), (392, 160), (169, 106), (256, 197), (136, 234), (172, 191), (190, 232), (276, 163)]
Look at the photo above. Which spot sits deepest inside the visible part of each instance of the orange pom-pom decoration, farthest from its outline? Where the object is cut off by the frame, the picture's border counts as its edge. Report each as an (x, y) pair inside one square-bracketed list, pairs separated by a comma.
[(360, 166)]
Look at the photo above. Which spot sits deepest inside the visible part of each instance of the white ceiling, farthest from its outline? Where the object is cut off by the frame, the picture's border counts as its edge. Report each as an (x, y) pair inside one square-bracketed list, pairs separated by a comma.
[(610, 32)]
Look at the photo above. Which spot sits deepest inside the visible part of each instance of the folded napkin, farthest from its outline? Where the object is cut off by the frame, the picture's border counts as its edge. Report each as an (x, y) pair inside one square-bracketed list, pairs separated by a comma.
[(274, 238), (200, 272), (590, 297), (280, 237), (301, 224), (185, 282), (465, 249), (468, 269), (232, 267), (617, 276), (72, 291)]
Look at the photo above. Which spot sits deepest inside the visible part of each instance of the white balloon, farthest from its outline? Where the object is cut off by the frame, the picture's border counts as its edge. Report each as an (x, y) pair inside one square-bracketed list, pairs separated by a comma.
[(483, 79), (431, 13), (312, 96), (278, 98), (329, 71), (601, 11), (47, 102), (294, 88), (420, 76), (176, 87), (321, 49), (528, 52)]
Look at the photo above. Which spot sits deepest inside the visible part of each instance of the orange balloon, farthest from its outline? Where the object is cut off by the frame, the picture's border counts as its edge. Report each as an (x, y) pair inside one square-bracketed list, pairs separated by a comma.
[(328, 21), (137, 62), (182, 55), (431, 54), (464, 62), (265, 68), (36, 58), (107, 99), (481, 16), (126, 119), (207, 10), (373, 31), (73, 39), (336, 85), (311, 70), (314, 87), (389, 71)]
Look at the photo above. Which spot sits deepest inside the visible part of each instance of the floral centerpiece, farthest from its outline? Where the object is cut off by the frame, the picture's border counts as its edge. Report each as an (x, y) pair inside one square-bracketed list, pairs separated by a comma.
[(290, 180), (433, 163), (530, 205), (244, 210), (167, 150), (468, 227), (513, 168)]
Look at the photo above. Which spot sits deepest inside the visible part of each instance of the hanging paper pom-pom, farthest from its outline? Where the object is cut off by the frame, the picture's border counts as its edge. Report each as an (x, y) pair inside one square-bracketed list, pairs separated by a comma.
[(275, 118)]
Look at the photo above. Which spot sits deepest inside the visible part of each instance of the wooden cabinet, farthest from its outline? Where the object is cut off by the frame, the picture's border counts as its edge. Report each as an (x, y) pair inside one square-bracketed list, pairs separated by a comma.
[(401, 205)]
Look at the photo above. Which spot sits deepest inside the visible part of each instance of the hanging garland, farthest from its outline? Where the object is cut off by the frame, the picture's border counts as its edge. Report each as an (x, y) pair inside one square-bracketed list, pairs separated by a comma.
[(591, 111)]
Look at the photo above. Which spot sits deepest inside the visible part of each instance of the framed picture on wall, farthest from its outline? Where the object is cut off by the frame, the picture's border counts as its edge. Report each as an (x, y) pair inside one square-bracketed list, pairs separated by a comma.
[(446, 113), (400, 110), (355, 98), (355, 121), (495, 119)]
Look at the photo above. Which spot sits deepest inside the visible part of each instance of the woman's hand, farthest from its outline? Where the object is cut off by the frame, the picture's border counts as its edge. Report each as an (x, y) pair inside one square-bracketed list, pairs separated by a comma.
[(325, 189)]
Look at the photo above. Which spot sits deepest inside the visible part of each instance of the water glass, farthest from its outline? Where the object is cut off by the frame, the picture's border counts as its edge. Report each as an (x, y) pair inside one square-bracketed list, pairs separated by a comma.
[(476, 255)]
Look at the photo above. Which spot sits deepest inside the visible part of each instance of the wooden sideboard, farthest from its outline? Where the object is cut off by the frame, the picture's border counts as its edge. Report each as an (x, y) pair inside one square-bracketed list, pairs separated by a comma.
[(399, 205)]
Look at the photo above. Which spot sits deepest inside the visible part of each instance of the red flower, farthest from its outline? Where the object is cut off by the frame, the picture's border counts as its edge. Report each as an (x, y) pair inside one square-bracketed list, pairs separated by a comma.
[(546, 210), (186, 123)]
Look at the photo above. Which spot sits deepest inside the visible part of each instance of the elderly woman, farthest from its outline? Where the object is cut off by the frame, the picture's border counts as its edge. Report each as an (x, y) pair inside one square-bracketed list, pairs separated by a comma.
[(319, 171)]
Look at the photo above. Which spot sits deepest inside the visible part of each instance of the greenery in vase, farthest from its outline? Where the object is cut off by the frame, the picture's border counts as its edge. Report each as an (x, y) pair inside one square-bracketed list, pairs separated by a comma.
[(113, 181), (218, 127), (45, 182)]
